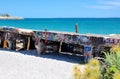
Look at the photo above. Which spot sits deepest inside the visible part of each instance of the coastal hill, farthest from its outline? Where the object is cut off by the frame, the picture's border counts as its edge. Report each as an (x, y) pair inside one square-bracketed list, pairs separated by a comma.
[(8, 17)]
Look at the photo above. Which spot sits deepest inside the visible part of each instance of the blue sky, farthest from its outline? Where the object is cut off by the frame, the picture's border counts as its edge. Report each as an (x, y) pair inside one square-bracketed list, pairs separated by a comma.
[(61, 8)]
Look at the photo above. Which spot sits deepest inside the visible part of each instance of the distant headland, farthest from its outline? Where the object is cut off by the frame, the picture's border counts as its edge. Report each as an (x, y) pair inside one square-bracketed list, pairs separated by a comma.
[(8, 17)]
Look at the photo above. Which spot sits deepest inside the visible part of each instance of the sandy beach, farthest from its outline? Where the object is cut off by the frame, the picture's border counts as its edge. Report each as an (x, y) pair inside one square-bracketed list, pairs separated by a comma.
[(27, 65)]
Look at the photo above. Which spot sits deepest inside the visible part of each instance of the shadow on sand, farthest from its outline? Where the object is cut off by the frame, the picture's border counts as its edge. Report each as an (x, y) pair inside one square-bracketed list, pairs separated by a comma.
[(58, 56)]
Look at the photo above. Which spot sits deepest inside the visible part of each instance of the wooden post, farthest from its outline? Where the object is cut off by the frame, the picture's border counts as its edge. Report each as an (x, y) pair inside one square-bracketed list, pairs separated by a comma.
[(60, 46), (28, 45), (76, 27), (4, 42)]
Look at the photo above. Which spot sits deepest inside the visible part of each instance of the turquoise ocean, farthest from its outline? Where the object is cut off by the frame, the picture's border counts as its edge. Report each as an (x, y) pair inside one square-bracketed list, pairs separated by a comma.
[(85, 25)]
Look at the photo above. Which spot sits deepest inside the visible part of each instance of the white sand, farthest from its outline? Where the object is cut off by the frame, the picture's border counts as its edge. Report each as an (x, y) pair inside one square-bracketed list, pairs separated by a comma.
[(15, 65)]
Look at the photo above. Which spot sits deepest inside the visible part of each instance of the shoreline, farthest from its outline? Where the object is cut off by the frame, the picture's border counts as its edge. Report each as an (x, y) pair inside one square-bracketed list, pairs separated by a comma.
[(112, 35)]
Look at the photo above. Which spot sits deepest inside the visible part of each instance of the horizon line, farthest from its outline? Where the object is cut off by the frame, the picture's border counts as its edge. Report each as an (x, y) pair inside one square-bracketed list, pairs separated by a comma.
[(67, 17)]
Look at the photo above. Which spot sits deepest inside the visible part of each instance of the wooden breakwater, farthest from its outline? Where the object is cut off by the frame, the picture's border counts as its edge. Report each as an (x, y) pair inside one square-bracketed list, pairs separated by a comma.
[(17, 39)]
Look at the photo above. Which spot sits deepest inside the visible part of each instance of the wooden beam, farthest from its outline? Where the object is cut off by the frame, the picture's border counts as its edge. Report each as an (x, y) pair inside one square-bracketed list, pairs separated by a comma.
[(28, 45), (4, 42), (60, 46), (76, 27)]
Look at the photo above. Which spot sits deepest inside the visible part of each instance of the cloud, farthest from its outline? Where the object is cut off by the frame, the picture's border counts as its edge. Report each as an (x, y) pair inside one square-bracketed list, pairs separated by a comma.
[(100, 7), (112, 3), (105, 5)]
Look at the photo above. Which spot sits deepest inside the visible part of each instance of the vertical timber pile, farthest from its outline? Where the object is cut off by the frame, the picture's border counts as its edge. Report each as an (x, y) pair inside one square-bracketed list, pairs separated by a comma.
[(4, 42), (76, 27), (60, 46), (28, 45)]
